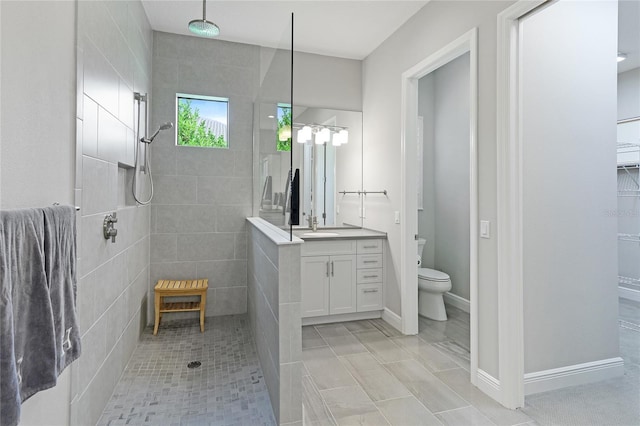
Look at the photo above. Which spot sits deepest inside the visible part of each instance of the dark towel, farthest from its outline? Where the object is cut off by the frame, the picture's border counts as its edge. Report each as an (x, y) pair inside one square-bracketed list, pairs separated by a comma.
[(295, 199), (60, 264), (28, 347)]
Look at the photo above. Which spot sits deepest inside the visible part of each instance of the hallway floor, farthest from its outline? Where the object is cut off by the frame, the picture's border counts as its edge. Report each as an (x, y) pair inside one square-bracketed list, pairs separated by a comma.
[(366, 372), (609, 402)]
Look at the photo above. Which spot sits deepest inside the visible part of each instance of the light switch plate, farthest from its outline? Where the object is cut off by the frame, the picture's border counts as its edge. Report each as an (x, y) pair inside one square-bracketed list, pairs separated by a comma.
[(485, 229), (396, 216)]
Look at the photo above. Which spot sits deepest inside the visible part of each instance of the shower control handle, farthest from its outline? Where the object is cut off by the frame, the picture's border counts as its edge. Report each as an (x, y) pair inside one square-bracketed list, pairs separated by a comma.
[(108, 229)]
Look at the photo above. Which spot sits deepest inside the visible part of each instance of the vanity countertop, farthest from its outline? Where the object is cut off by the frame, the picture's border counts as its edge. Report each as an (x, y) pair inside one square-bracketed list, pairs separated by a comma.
[(324, 234)]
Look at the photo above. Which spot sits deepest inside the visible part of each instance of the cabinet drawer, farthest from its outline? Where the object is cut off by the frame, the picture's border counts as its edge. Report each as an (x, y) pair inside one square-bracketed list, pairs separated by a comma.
[(369, 276), (369, 261), (369, 297), (314, 248), (369, 246)]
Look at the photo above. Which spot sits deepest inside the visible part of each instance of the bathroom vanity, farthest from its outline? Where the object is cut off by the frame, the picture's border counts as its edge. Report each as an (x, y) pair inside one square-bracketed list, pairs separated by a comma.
[(342, 274)]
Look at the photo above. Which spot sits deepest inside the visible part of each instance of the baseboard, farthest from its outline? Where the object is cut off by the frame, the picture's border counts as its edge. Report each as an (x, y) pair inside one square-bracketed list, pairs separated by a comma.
[(489, 385), (355, 316), (392, 319), (457, 301), (572, 375), (627, 293)]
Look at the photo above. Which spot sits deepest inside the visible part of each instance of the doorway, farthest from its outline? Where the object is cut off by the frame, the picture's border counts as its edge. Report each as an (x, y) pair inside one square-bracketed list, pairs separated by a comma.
[(464, 45), (556, 245)]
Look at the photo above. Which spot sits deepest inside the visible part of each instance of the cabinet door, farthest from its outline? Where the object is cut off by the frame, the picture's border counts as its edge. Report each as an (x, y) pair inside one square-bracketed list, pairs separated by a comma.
[(342, 287), (315, 286)]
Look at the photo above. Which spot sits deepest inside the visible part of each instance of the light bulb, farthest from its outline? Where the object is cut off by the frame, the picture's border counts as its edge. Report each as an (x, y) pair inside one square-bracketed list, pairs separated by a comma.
[(301, 136), (323, 136)]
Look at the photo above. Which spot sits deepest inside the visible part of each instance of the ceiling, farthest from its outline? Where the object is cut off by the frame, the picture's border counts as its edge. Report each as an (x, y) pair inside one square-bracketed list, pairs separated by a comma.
[(342, 28), (347, 29)]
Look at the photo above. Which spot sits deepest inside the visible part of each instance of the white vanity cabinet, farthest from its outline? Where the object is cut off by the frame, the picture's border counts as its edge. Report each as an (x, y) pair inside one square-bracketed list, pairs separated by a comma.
[(328, 278), (341, 277)]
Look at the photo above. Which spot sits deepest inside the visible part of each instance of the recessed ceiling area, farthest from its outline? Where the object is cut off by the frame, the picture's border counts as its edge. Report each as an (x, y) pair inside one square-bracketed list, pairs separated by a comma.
[(347, 29)]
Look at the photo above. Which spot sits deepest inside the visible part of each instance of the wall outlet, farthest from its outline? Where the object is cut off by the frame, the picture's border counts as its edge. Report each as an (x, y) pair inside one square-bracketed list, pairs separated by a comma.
[(396, 217), (485, 229)]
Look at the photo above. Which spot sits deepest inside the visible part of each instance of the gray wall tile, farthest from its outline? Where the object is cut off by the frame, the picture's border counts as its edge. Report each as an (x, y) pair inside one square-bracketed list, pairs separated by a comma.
[(225, 190), (174, 190), (224, 273), (185, 219), (232, 218), (228, 301), (164, 247), (210, 246)]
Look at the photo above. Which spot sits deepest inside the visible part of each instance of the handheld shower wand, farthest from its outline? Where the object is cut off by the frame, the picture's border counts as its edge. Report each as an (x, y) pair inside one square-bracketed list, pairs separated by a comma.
[(164, 126)]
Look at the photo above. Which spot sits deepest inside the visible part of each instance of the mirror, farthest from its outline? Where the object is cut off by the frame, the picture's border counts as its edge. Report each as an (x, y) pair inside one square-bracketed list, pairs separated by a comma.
[(324, 170), (327, 151)]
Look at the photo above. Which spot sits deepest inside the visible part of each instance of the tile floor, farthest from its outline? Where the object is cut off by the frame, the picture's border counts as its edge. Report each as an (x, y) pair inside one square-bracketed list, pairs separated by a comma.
[(366, 372), (356, 373), (157, 387)]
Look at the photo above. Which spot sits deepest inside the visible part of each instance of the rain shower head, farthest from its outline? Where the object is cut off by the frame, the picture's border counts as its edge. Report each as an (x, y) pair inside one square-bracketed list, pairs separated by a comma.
[(163, 126), (202, 27)]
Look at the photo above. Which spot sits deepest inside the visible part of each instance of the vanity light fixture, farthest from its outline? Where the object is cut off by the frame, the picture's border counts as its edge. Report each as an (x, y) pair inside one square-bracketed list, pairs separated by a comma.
[(621, 56), (202, 27)]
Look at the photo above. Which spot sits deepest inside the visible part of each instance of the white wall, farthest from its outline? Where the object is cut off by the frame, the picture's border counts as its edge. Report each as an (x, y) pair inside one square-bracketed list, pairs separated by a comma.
[(326, 81), (434, 26), (37, 138), (38, 103), (446, 152), (569, 182)]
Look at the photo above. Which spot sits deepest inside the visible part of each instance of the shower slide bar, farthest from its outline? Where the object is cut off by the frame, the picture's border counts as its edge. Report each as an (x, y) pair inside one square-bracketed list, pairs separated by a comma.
[(365, 192)]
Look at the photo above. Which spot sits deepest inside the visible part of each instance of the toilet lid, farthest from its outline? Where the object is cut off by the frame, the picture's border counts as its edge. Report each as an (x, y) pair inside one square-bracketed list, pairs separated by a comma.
[(432, 275)]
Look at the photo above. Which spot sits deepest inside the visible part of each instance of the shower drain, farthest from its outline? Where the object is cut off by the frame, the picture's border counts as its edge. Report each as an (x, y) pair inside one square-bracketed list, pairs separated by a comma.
[(194, 364)]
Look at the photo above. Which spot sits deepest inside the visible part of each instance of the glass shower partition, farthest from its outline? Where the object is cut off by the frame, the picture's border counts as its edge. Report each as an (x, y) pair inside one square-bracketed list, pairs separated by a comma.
[(274, 186)]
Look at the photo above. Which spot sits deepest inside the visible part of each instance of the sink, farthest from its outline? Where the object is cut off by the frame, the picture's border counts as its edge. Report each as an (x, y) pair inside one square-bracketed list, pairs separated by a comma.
[(320, 234)]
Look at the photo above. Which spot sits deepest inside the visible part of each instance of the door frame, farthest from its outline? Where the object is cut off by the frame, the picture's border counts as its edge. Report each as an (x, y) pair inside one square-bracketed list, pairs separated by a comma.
[(468, 42), (510, 389)]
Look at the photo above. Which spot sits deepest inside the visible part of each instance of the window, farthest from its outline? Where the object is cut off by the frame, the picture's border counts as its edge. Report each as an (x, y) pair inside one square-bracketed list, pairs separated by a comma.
[(202, 121), (284, 128)]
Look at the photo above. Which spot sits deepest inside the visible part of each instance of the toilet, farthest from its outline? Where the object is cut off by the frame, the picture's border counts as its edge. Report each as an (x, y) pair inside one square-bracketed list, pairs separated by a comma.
[(432, 285)]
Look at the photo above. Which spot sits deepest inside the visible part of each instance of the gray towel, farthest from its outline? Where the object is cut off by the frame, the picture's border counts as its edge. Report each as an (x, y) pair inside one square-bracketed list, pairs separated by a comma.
[(38, 330), (27, 317), (60, 268)]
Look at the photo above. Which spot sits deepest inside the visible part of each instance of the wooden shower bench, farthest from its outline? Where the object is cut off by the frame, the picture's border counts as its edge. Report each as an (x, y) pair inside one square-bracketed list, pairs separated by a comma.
[(172, 288)]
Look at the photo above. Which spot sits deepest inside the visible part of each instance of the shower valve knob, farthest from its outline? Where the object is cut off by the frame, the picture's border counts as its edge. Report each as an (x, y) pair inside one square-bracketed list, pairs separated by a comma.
[(108, 230)]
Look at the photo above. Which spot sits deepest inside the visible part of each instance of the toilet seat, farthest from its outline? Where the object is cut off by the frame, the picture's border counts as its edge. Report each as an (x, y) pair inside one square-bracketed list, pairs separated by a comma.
[(432, 275)]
